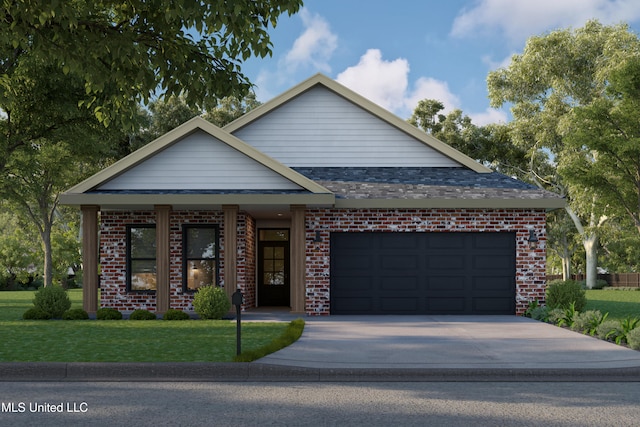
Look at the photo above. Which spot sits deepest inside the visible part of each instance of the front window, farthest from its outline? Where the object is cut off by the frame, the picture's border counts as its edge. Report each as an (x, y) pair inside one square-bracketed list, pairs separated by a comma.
[(141, 258), (200, 256)]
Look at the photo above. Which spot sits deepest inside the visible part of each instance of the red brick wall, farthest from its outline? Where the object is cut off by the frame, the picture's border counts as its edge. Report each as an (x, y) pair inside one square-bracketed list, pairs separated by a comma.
[(113, 257), (530, 264)]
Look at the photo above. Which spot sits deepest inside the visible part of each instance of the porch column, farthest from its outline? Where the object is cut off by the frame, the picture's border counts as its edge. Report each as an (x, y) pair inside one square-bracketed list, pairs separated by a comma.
[(90, 258), (163, 254), (230, 248), (297, 241)]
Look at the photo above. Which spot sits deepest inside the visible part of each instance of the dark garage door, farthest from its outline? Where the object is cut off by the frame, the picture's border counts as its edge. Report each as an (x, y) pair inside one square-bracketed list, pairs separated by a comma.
[(423, 273)]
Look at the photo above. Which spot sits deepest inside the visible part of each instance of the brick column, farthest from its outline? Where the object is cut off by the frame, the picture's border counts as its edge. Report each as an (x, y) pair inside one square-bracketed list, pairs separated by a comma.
[(163, 250), (90, 258), (298, 259)]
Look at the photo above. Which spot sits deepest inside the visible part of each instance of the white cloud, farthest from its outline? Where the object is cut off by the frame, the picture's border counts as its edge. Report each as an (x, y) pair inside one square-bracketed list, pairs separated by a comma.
[(518, 20), (387, 84), (429, 88), (490, 115), (314, 46), (380, 81)]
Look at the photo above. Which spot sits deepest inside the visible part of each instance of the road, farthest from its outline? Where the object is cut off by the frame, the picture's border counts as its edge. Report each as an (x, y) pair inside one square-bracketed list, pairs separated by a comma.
[(319, 404)]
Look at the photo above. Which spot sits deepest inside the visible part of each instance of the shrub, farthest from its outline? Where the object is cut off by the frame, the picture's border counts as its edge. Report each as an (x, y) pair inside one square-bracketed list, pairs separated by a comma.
[(75, 314), (35, 313), (555, 315), (588, 322), (633, 339), (108, 313), (561, 293), (609, 330), (173, 314), (53, 300), (142, 315), (540, 313), (211, 302), (600, 284), (627, 325)]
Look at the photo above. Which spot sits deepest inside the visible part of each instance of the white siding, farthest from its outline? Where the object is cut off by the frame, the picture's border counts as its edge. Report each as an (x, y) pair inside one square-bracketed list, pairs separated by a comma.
[(200, 162), (320, 128)]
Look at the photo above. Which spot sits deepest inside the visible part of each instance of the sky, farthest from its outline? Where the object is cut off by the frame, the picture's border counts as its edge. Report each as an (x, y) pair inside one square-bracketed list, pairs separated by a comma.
[(398, 52)]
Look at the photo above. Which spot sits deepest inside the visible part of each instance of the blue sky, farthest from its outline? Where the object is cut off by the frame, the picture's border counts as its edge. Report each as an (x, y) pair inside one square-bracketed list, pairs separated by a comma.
[(396, 53)]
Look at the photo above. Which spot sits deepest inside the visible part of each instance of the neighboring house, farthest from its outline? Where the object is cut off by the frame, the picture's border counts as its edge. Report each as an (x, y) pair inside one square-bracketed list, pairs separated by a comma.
[(320, 201)]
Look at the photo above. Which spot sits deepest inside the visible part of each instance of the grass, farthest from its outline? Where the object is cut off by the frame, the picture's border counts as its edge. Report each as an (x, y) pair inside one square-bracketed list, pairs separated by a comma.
[(125, 340), (619, 304)]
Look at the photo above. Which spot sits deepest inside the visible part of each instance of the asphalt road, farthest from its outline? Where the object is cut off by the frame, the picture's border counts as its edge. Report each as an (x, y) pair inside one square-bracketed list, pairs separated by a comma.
[(319, 404)]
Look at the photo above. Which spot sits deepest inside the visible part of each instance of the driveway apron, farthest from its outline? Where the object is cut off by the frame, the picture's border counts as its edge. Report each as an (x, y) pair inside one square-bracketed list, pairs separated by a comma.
[(447, 342)]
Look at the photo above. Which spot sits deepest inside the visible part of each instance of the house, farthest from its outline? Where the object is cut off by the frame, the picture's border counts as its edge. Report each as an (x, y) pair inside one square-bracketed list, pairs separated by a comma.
[(320, 201)]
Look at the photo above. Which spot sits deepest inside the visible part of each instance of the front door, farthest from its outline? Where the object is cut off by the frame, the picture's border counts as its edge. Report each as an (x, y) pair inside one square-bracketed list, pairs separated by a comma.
[(273, 268)]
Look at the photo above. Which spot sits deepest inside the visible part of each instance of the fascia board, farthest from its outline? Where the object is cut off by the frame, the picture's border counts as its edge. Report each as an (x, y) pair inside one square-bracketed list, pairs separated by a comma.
[(549, 204), (203, 200)]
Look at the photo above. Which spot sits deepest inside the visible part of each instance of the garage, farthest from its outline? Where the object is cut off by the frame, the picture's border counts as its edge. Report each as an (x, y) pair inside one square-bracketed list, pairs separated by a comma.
[(423, 273)]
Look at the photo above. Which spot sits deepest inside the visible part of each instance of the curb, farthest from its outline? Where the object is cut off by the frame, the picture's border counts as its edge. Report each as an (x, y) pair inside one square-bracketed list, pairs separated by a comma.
[(259, 372)]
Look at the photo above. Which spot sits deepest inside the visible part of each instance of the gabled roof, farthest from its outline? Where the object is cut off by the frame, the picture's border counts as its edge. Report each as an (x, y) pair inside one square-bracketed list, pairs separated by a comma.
[(88, 191), (365, 104)]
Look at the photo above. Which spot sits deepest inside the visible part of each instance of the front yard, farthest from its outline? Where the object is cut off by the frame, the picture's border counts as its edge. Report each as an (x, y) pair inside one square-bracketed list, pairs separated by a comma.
[(121, 340), (619, 304)]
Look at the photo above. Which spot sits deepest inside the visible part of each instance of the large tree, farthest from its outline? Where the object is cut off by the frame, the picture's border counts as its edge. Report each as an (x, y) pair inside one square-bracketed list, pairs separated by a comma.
[(556, 73), (490, 145), (67, 65), (126, 53)]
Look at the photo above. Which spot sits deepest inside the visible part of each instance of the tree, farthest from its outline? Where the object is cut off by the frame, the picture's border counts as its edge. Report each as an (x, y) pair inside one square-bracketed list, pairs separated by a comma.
[(490, 145), (603, 142), (230, 108), (126, 52), (17, 251), (556, 73), (33, 185)]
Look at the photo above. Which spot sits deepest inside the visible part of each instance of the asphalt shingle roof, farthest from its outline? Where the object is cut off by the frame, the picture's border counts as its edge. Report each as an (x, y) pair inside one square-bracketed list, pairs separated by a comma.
[(420, 182)]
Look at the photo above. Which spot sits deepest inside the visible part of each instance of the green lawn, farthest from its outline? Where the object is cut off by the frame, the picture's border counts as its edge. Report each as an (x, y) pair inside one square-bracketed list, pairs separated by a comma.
[(121, 340), (619, 304)]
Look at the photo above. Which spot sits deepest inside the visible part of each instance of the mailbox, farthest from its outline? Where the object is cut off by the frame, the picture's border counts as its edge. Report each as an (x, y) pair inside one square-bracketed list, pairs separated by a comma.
[(237, 298)]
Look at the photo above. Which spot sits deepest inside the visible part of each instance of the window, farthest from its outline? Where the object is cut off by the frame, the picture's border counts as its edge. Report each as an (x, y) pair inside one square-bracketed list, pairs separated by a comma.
[(141, 258), (200, 256)]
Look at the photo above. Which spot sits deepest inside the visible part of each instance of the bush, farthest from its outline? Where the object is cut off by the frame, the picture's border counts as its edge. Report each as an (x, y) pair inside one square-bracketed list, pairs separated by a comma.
[(142, 315), (588, 322), (108, 313), (35, 313), (555, 315), (600, 284), (561, 293), (211, 302), (173, 314), (75, 314), (633, 339), (53, 300), (609, 330)]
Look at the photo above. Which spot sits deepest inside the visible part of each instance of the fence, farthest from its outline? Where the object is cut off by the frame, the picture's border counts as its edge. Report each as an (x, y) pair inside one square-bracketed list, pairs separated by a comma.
[(616, 280)]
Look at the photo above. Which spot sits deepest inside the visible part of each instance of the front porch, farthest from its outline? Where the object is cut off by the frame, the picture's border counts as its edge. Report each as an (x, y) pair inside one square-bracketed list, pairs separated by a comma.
[(238, 265)]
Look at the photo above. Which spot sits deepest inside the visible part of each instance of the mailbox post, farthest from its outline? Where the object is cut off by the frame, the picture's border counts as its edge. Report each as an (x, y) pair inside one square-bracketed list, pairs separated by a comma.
[(237, 299)]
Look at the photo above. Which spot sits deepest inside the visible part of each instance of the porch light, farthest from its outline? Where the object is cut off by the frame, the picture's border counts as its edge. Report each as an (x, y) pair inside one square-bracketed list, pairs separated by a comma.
[(318, 238), (533, 239)]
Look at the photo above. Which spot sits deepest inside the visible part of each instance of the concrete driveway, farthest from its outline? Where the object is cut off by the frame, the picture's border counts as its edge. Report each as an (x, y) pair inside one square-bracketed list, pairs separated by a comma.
[(447, 342)]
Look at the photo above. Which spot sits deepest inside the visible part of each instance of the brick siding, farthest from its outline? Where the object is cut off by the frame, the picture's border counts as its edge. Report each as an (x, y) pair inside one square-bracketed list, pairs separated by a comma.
[(530, 263)]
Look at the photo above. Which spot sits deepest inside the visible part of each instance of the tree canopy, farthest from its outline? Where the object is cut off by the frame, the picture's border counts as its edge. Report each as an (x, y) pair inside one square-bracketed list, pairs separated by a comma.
[(557, 87)]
